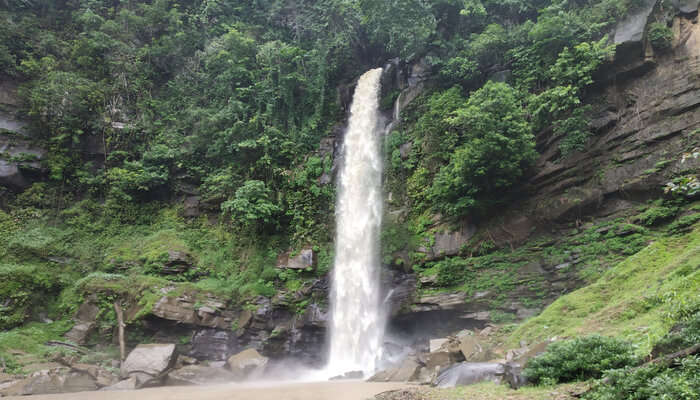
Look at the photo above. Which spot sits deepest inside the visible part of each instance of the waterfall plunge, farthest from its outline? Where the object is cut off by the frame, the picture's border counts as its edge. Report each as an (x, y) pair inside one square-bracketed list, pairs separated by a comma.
[(357, 327)]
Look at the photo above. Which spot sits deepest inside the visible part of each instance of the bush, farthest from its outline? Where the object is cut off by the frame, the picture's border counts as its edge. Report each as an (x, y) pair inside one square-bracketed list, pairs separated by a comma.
[(660, 36), (654, 382), (579, 359), (22, 287)]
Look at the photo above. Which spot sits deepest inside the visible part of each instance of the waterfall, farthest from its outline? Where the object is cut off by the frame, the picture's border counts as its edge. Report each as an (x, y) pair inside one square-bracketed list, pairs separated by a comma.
[(357, 326)]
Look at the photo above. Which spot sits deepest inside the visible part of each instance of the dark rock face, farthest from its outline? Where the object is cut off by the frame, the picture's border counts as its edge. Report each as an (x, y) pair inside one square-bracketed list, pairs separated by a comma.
[(20, 157), (213, 344)]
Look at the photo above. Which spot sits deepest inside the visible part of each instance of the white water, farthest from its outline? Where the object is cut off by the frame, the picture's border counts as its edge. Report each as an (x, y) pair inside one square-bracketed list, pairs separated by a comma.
[(357, 326)]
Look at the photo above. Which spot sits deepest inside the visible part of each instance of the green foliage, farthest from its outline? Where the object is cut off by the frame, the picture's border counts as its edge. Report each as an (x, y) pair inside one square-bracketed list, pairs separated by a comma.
[(252, 206), (22, 287), (579, 359), (660, 36), (651, 382), (496, 146)]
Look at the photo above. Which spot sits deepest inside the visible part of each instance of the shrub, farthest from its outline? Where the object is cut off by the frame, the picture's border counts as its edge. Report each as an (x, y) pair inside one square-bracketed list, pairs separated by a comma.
[(654, 382), (660, 36), (579, 359)]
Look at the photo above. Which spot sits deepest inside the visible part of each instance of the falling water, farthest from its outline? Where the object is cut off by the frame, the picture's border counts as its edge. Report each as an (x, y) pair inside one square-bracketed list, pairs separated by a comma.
[(357, 326)]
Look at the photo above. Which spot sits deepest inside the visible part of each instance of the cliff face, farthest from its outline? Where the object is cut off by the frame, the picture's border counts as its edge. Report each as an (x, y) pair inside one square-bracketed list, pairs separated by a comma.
[(646, 126)]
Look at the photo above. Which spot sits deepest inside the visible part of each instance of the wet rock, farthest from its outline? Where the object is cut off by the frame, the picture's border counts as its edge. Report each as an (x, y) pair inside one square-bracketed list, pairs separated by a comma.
[(248, 364), (469, 373), (150, 359), (198, 375)]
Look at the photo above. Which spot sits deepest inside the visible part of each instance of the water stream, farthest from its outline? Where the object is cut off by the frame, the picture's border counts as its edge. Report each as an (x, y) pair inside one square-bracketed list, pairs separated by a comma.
[(358, 322)]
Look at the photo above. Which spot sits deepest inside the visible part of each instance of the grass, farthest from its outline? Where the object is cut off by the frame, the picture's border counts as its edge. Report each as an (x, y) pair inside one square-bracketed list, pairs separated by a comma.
[(493, 391), (635, 299)]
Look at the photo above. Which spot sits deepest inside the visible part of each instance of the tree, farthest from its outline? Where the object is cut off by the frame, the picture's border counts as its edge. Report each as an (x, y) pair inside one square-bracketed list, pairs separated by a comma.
[(497, 146), (251, 206)]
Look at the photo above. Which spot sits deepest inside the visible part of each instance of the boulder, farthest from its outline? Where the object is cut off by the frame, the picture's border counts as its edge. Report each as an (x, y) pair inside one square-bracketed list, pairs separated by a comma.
[(631, 29), (130, 383), (198, 375), (436, 344), (248, 364), (469, 373), (150, 359), (407, 371), (438, 359), (84, 320), (686, 6), (59, 380), (472, 349), (305, 259)]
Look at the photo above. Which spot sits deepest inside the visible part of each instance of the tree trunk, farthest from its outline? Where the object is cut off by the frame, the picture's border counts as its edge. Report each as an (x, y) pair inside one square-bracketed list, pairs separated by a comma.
[(120, 326)]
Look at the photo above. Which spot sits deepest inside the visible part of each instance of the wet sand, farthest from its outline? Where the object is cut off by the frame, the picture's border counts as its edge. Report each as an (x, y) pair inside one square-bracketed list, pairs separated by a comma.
[(258, 391)]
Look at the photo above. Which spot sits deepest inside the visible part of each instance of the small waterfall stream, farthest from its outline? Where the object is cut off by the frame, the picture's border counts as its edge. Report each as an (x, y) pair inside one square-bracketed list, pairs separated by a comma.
[(358, 323)]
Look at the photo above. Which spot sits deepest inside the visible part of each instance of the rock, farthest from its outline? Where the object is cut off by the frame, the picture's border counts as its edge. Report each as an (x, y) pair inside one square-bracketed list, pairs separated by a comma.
[(436, 344), (182, 309), (441, 301), (631, 29), (213, 344), (438, 359), (513, 375), (59, 380), (183, 360), (472, 349), (469, 373), (150, 359), (406, 372), (84, 320), (449, 243), (349, 375), (178, 262), (305, 259), (191, 207), (198, 375), (686, 6), (248, 364), (405, 150), (130, 383)]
